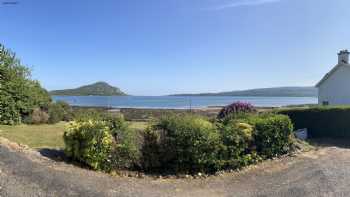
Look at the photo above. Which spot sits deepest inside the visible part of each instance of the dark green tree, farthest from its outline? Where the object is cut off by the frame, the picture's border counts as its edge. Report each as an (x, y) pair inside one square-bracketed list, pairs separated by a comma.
[(19, 94)]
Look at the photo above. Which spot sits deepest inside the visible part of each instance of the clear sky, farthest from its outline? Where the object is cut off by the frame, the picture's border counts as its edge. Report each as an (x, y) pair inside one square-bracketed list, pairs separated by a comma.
[(158, 47)]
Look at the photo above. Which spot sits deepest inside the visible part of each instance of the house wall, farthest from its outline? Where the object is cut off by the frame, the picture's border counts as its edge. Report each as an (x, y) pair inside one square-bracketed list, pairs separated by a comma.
[(336, 89)]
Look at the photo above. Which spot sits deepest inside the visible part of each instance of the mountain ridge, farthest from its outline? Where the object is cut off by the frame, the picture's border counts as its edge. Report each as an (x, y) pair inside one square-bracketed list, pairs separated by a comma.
[(292, 91), (96, 89)]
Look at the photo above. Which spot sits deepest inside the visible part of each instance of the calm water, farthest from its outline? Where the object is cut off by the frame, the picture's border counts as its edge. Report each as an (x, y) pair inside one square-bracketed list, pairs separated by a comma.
[(179, 102)]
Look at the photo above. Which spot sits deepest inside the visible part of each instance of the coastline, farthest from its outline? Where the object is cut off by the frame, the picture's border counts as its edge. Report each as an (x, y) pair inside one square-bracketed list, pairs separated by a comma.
[(146, 114), (181, 103)]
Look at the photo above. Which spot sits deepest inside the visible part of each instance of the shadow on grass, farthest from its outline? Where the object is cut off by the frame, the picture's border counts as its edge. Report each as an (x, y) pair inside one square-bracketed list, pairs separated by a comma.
[(330, 142)]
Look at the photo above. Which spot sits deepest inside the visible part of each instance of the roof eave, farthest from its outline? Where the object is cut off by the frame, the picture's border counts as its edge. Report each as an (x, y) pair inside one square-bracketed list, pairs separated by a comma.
[(326, 76)]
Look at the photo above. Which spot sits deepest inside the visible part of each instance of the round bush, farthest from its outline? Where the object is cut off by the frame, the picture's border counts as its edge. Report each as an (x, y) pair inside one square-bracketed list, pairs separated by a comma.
[(56, 113), (237, 139), (273, 134), (89, 142), (68, 111), (38, 116), (103, 142), (59, 111)]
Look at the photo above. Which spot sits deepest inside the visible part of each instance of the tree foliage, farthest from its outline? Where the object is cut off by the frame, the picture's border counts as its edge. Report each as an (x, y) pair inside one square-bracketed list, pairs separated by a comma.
[(19, 94)]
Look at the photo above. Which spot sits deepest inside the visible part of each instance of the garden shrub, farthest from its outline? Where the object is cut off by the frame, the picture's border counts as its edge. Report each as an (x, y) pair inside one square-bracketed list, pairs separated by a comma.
[(56, 113), (59, 111), (321, 122), (273, 134), (238, 149), (151, 150), (38, 116), (126, 147), (178, 143), (104, 142), (186, 144), (235, 109), (52, 113), (189, 144), (89, 142), (116, 123), (68, 111)]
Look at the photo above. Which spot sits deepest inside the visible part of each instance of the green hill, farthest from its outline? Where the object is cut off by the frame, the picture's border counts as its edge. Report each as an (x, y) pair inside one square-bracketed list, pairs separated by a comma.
[(266, 92), (96, 89)]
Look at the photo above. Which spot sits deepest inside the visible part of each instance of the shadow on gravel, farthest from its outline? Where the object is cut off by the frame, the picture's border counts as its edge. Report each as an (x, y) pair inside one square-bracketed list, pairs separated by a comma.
[(54, 154), (59, 156), (328, 142)]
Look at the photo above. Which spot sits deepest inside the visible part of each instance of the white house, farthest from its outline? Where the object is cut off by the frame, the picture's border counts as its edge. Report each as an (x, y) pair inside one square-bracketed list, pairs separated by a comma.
[(334, 87)]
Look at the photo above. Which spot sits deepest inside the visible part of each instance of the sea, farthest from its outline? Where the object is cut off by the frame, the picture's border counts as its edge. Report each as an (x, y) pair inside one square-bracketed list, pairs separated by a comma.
[(180, 102)]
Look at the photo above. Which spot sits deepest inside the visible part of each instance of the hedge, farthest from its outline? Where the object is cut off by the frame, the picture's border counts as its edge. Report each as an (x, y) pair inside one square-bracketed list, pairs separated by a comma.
[(178, 143), (181, 144), (272, 134), (190, 144), (322, 122)]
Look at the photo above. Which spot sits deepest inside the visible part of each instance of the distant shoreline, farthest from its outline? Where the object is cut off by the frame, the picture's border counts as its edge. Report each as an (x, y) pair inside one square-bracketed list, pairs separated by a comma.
[(307, 91), (194, 95), (181, 103), (158, 108), (150, 108)]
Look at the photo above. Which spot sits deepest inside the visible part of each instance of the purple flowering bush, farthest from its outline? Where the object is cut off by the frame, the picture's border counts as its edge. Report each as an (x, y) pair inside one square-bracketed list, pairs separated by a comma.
[(236, 108)]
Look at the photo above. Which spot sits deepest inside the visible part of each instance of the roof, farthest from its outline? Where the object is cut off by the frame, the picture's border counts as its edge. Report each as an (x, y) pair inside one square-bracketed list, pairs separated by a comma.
[(335, 68)]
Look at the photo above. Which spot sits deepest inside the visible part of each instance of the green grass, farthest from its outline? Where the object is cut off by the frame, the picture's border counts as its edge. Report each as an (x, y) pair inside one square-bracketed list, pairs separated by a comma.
[(138, 125), (44, 136), (35, 136)]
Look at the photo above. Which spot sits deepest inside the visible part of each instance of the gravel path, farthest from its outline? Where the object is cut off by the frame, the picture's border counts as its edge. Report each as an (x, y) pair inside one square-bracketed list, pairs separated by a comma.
[(325, 172)]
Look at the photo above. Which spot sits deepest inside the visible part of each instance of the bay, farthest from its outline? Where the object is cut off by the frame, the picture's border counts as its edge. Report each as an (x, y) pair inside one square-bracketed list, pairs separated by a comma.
[(179, 102)]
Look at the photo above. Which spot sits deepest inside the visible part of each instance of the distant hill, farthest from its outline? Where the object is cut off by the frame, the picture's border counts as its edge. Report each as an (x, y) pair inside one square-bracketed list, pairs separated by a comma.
[(267, 92), (96, 89)]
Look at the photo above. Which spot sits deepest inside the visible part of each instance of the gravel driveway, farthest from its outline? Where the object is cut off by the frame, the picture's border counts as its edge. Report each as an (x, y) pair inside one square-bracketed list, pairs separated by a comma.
[(325, 172)]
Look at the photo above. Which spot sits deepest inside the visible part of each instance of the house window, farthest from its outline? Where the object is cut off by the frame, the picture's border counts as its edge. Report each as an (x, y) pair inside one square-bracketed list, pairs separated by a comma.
[(325, 103)]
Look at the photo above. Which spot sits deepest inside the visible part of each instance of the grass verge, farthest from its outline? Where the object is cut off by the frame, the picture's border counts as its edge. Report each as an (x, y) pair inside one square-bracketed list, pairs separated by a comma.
[(45, 135)]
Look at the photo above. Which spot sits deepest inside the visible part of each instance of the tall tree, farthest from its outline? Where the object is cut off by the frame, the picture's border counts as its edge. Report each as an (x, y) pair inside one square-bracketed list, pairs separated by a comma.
[(19, 94)]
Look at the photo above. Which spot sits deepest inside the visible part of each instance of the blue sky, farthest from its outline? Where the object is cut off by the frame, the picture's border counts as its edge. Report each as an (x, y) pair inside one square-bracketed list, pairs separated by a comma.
[(158, 47)]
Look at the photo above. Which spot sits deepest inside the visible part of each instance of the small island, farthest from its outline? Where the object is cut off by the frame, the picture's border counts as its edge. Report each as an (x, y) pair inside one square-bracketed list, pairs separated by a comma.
[(95, 89)]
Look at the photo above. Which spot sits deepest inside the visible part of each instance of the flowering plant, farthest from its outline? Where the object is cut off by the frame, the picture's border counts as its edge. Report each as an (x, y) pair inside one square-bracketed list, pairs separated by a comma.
[(236, 108)]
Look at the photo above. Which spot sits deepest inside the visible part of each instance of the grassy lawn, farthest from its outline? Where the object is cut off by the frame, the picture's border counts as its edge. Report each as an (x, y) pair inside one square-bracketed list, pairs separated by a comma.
[(44, 136), (35, 136), (138, 125)]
